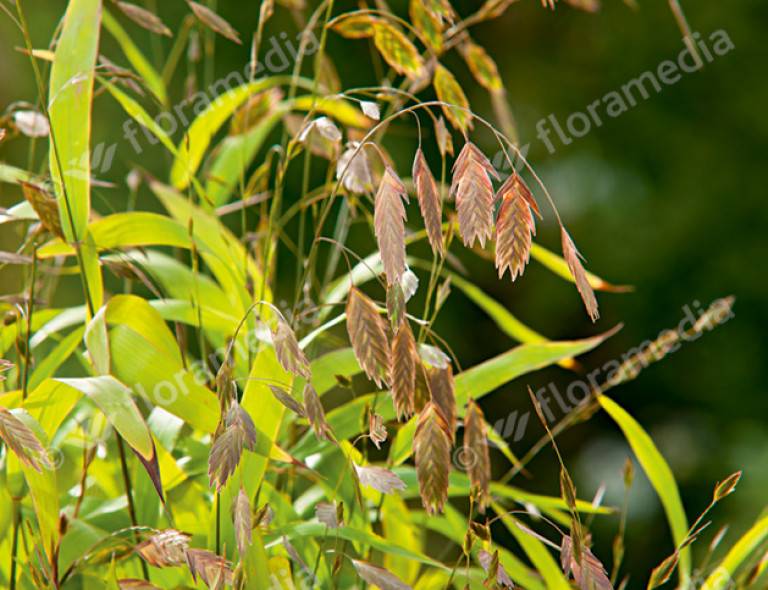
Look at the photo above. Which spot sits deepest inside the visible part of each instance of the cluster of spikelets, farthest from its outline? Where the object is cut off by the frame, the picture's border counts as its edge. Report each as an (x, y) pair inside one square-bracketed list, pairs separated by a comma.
[(483, 214), (421, 385)]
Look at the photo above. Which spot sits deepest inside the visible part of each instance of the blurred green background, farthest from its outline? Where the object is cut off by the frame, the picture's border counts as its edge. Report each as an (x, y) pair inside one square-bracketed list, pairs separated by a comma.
[(668, 197)]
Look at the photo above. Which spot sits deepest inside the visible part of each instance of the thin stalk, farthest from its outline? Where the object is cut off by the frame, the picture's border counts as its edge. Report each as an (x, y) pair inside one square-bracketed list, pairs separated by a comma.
[(129, 495), (15, 542), (28, 334)]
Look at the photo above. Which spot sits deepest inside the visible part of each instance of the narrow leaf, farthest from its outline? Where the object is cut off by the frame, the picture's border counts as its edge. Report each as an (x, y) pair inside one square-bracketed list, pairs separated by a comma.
[(660, 476), (70, 101)]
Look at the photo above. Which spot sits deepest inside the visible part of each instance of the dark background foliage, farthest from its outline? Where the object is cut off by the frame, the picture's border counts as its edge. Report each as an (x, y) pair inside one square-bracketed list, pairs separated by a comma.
[(668, 197)]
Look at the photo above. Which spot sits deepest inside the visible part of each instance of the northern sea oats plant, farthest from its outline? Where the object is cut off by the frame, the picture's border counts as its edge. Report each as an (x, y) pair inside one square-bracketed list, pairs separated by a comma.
[(201, 418)]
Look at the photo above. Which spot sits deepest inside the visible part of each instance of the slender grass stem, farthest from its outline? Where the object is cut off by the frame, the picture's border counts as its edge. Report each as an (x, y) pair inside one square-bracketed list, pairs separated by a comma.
[(129, 494), (15, 542)]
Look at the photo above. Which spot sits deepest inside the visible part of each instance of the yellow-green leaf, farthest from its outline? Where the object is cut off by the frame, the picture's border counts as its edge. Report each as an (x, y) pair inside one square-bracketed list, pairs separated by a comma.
[(429, 26), (744, 548), (397, 50), (354, 25), (482, 66), (133, 54), (449, 91), (660, 476), (69, 105)]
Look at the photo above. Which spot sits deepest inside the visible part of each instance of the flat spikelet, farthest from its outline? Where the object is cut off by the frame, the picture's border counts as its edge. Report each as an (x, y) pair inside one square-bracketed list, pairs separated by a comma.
[(573, 259), (432, 451), (368, 334), (166, 548), (476, 452), (235, 434), (402, 373), (429, 201), (514, 227), (473, 191), (590, 573), (243, 521), (288, 352), (389, 224), (421, 395), (21, 440), (441, 387), (313, 407), (45, 206), (212, 569)]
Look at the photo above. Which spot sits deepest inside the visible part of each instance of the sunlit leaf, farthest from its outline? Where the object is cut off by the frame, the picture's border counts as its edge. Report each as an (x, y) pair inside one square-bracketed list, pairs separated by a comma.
[(397, 50), (450, 92), (69, 105), (660, 476)]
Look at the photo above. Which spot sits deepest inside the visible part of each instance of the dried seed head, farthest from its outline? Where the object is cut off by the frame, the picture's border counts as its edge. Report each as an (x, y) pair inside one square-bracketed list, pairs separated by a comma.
[(288, 352), (328, 514), (238, 432), (430, 202), (165, 548), (212, 569), (514, 226), (589, 573), (315, 414), (45, 206), (368, 335), (441, 387), (473, 191), (376, 429), (378, 576), (421, 394), (214, 22), (243, 522), (353, 169), (432, 452), (288, 401), (476, 450), (389, 224), (144, 18), (402, 374), (380, 479), (573, 259), (443, 137), (19, 438)]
